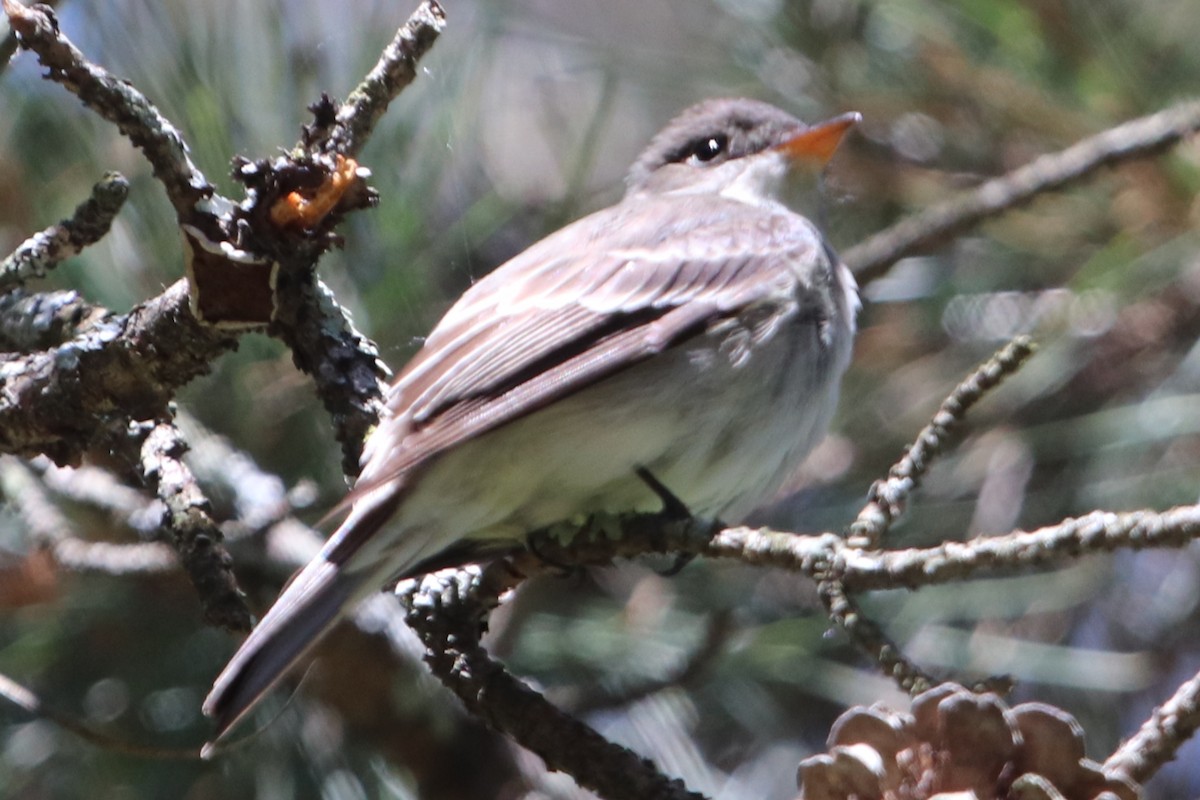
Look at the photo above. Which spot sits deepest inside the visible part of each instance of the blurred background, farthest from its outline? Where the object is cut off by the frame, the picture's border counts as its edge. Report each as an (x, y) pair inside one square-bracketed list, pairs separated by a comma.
[(526, 115)]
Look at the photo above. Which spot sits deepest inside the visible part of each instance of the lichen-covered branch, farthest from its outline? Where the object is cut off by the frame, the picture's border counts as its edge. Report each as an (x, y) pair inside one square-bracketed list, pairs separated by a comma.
[(89, 224), (39, 321), (63, 400), (350, 377), (1169, 727), (887, 498), (348, 374), (115, 100), (870, 638), (1098, 532), (448, 610), (187, 520), (395, 70)]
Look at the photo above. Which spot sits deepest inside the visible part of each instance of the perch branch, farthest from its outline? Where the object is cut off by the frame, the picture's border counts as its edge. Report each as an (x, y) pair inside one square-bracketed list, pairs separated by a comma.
[(1099, 531)]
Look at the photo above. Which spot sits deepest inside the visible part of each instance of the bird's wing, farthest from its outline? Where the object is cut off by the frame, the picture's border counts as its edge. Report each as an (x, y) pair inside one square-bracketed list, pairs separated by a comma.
[(595, 298)]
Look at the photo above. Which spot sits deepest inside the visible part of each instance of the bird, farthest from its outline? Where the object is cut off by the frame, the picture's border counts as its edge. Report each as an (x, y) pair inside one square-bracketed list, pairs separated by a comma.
[(693, 336)]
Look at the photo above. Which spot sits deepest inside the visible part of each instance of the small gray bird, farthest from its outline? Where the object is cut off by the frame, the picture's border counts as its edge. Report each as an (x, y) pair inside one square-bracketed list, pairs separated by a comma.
[(697, 330)]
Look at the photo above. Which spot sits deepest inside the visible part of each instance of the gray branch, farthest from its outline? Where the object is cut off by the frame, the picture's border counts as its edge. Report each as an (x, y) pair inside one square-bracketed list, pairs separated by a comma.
[(1138, 138), (187, 518), (63, 400), (43, 320), (116, 101), (1170, 726), (1098, 532), (888, 497), (89, 224), (448, 610), (395, 70)]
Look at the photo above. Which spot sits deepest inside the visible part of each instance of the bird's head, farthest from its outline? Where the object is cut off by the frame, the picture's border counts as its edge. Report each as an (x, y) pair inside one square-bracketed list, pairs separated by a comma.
[(735, 144)]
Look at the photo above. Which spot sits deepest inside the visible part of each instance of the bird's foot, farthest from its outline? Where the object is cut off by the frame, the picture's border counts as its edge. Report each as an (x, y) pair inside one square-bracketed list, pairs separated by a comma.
[(673, 511)]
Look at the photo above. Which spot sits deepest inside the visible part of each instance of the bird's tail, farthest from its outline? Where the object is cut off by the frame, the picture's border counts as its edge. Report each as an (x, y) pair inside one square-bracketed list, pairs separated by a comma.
[(316, 599)]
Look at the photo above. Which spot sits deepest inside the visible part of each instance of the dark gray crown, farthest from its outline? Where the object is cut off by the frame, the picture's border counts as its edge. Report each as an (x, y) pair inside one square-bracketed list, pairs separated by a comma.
[(713, 132)]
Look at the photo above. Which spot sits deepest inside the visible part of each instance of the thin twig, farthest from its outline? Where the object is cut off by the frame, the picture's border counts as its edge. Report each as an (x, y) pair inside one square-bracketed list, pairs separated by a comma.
[(1169, 727), (395, 70), (1097, 532), (869, 637), (887, 498), (1138, 138), (118, 102), (89, 224), (196, 537)]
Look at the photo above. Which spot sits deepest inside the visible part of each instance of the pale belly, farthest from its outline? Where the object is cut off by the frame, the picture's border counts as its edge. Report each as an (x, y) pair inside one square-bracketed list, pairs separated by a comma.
[(719, 435)]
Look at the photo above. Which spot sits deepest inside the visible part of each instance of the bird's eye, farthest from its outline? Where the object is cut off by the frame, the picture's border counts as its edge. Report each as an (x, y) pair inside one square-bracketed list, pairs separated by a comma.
[(709, 147)]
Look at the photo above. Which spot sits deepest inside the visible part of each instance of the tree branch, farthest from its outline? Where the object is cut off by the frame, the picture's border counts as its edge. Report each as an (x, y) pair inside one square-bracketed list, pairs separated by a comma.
[(887, 498), (1169, 727), (195, 535), (118, 102), (348, 374), (395, 70), (1100, 531), (43, 320), (89, 224), (448, 610), (61, 401), (1137, 138)]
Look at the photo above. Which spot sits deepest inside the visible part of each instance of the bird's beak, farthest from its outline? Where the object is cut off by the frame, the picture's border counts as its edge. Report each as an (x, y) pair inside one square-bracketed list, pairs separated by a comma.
[(816, 144)]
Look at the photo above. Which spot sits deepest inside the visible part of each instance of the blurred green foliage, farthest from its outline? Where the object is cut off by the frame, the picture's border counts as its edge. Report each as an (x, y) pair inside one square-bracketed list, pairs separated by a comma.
[(525, 115)]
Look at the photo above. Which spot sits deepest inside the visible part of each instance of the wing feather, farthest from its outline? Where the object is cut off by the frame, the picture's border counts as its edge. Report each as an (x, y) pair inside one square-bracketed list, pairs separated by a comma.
[(543, 326)]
